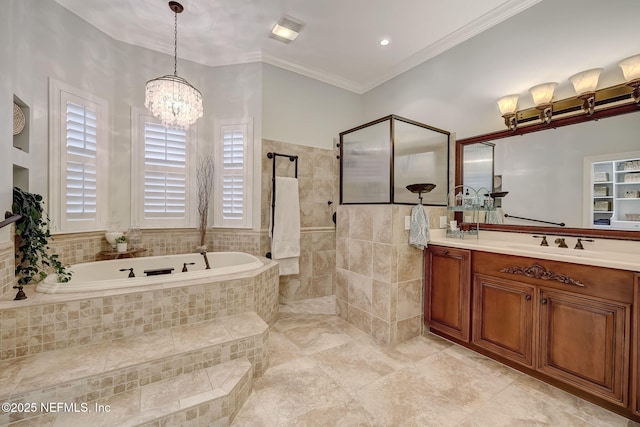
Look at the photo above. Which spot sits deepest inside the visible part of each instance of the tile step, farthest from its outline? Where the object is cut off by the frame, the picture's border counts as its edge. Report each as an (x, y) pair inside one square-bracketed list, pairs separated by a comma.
[(207, 397), (95, 372)]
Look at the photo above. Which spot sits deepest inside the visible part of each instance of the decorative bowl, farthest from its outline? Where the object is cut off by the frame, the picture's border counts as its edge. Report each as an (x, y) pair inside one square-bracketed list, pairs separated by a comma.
[(111, 237)]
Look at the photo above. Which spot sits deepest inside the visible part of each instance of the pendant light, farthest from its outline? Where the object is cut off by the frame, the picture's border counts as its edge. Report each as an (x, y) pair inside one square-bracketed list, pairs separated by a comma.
[(172, 99)]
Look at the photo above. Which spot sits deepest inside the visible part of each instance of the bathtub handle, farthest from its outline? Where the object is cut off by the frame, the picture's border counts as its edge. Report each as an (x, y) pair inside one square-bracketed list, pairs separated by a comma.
[(184, 266), (131, 273)]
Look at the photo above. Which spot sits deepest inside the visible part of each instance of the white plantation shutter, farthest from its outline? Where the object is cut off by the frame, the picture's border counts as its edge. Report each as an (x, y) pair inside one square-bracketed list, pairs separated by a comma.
[(165, 174), (79, 156), (81, 162), (232, 206), (233, 188)]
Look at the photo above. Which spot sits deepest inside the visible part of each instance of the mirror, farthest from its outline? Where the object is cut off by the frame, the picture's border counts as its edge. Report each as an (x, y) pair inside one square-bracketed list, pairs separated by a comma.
[(544, 172), (380, 159)]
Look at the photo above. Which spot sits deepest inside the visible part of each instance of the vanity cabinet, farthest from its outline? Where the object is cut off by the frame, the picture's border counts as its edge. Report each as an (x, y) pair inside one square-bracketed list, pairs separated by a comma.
[(570, 322), (635, 355), (567, 323), (447, 291), (585, 342), (503, 318)]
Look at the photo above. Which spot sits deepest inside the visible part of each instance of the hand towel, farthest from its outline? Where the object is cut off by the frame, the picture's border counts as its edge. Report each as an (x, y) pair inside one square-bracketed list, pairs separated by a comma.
[(419, 227), (285, 228)]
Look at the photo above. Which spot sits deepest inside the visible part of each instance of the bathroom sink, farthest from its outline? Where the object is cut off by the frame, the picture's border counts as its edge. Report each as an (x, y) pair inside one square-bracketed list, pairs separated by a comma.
[(580, 253)]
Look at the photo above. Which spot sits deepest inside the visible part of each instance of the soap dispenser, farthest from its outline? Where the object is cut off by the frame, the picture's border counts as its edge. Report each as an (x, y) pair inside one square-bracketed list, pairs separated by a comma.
[(459, 199)]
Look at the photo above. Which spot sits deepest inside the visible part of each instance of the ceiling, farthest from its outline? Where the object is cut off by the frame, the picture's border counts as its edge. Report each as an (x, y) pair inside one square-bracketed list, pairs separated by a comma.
[(339, 43)]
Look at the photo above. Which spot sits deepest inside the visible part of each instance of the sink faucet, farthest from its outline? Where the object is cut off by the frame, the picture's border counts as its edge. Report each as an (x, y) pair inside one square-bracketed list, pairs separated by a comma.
[(561, 243), (544, 240), (579, 243)]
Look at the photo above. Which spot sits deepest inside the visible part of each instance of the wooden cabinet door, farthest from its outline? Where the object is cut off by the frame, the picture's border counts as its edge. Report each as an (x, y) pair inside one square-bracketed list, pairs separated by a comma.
[(503, 318), (635, 354), (447, 291), (584, 341)]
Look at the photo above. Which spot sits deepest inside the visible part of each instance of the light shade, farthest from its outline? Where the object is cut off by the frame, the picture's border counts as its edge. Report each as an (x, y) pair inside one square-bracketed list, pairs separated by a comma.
[(543, 94), (586, 81), (630, 68), (173, 101), (508, 104)]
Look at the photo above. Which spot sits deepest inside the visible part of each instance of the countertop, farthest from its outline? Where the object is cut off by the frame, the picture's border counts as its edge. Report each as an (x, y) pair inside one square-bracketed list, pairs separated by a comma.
[(620, 254)]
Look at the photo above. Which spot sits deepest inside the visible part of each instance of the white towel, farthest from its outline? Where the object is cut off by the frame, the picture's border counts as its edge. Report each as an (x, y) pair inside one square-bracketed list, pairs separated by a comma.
[(285, 229), (419, 227)]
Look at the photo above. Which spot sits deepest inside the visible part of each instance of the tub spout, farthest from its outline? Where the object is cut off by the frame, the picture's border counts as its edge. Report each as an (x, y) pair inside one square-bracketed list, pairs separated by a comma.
[(131, 273), (206, 259)]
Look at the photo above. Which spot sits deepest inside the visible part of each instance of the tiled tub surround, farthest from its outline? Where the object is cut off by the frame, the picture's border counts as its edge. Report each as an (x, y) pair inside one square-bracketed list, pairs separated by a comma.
[(204, 341), (133, 375), (46, 322), (379, 275)]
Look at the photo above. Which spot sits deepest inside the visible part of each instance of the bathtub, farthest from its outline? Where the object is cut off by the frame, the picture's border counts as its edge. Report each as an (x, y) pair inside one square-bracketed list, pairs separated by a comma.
[(106, 275)]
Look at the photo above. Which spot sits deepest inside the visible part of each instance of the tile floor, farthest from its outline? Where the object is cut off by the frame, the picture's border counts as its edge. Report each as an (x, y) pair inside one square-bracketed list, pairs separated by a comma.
[(324, 372)]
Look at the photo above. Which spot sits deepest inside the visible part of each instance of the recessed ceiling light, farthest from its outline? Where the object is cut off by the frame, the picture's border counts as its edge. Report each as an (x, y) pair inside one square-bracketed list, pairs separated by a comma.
[(384, 42), (287, 29)]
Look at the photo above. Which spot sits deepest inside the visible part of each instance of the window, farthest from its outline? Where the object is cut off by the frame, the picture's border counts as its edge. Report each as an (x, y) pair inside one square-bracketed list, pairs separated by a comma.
[(162, 174), (79, 159), (233, 177)]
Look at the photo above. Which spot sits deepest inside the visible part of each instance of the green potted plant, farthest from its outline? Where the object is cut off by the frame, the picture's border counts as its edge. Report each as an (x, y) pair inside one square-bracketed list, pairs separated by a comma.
[(121, 244), (33, 261)]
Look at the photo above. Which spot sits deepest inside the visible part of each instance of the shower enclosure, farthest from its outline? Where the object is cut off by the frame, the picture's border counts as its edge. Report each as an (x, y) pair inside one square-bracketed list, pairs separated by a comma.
[(379, 159)]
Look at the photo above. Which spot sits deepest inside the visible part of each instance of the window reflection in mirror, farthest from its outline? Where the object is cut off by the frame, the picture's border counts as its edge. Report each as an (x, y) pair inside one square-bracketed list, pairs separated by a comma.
[(478, 165)]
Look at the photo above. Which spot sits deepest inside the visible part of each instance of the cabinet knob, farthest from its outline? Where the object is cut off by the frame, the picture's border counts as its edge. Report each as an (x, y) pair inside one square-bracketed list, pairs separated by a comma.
[(445, 251), (527, 297), (543, 301)]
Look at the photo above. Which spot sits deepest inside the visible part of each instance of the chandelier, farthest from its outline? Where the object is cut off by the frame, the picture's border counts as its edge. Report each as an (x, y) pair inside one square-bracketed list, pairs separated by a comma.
[(172, 99)]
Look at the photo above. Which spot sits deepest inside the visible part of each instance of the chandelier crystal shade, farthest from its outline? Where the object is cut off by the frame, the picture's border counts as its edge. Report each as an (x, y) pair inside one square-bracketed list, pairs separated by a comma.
[(172, 99)]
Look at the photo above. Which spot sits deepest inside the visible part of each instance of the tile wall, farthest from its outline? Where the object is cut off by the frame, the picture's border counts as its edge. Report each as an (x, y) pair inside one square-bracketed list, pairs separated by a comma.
[(318, 184), (7, 267), (379, 280)]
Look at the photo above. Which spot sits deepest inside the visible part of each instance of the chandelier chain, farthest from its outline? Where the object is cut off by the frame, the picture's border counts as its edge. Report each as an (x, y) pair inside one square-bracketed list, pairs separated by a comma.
[(175, 44)]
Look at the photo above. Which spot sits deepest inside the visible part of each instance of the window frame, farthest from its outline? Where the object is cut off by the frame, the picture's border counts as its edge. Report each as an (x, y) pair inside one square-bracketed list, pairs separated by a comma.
[(60, 94), (140, 116)]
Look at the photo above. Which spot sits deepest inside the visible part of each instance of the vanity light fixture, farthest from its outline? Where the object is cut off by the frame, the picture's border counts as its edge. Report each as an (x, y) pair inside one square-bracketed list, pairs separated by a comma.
[(172, 99), (286, 29), (542, 95), (508, 106), (589, 100), (631, 71), (585, 84)]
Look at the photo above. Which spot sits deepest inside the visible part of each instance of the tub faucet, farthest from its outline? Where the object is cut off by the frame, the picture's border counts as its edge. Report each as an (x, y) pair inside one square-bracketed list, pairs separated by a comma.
[(131, 273), (184, 266), (579, 243), (544, 240), (561, 243), (206, 260)]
